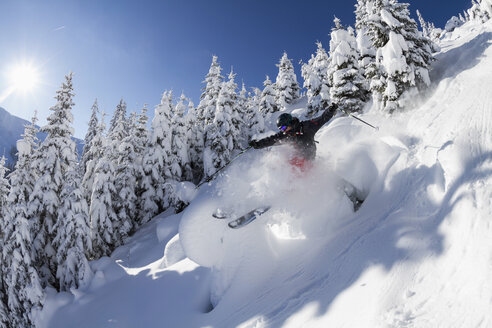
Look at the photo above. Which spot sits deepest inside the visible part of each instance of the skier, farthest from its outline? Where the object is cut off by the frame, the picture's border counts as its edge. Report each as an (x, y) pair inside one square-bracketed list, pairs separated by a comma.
[(299, 134)]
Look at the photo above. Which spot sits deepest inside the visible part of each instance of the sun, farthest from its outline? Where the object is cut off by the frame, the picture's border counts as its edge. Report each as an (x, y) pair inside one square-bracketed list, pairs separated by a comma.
[(23, 77)]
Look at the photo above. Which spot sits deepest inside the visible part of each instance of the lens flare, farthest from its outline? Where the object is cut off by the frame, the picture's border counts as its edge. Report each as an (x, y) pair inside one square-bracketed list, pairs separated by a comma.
[(23, 77)]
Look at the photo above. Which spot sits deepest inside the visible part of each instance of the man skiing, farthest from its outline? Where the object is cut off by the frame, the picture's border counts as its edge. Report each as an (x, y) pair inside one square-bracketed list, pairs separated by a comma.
[(299, 134)]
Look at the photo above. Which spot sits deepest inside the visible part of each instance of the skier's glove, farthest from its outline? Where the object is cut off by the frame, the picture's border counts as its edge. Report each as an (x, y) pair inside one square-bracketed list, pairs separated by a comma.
[(255, 144)]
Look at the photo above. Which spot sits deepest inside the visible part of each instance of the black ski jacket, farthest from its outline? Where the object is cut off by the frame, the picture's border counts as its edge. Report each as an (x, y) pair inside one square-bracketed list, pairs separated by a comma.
[(301, 136)]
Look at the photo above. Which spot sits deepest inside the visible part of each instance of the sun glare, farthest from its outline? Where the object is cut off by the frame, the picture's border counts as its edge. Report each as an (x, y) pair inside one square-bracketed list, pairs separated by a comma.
[(23, 77)]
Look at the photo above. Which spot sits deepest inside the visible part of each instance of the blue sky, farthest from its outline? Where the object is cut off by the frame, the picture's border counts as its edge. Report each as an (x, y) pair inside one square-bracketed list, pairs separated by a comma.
[(137, 49)]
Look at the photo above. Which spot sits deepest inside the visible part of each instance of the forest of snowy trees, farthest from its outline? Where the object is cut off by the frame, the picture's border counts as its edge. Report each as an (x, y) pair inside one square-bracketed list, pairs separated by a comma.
[(59, 211)]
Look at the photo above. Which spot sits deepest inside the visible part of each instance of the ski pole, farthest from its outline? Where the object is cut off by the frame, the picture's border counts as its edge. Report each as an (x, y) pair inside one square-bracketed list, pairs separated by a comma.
[(357, 118), (210, 178)]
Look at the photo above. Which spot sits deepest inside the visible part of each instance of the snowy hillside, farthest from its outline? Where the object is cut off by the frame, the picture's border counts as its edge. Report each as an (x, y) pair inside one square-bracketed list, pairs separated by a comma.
[(416, 254)]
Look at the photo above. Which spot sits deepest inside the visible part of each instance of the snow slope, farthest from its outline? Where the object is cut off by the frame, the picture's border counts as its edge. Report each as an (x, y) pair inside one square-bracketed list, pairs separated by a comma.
[(416, 254)]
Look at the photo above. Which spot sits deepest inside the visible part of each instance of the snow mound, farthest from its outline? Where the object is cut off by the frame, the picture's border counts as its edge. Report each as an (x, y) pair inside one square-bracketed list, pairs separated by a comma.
[(306, 207)]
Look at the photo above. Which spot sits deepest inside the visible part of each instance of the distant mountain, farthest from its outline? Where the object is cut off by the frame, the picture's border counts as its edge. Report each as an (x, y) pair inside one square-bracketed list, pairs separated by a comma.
[(11, 129)]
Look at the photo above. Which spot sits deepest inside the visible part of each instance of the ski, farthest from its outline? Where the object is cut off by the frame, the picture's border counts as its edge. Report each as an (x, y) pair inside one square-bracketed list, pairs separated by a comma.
[(248, 217)]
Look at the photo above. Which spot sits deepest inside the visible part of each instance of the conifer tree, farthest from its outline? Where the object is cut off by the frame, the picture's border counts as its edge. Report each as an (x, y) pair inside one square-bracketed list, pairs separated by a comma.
[(24, 176), (480, 11), (72, 242), (286, 86), (16, 231), (126, 171), (95, 152), (348, 84), (366, 49), (54, 158), (213, 83), (22, 283), (242, 105), (155, 162), (91, 132), (315, 74), (119, 116), (429, 31), (180, 162), (230, 98), (268, 106), (101, 210), (4, 190), (219, 140), (403, 56), (4, 187), (4, 318), (141, 139), (254, 119), (486, 7), (195, 143), (141, 133)]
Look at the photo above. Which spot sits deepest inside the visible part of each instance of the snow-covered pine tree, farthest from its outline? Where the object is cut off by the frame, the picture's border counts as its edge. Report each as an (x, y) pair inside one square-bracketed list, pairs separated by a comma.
[(4, 191), (286, 86), (22, 179), (195, 142), (403, 56), (429, 31), (94, 153), (119, 116), (461, 18), (101, 210), (180, 162), (141, 138), (119, 129), (91, 132), (479, 11), (423, 24), (213, 83), (254, 119), (54, 158), (315, 75), (22, 283), (73, 236), (219, 140), (155, 162), (348, 86), (230, 98), (126, 170), (4, 319), (486, 7), (367, 52), (268, 106), (4, 188), (242, 105)]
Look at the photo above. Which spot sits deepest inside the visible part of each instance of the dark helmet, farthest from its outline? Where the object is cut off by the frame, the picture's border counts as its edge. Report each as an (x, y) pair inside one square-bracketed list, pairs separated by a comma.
[(284, 120)]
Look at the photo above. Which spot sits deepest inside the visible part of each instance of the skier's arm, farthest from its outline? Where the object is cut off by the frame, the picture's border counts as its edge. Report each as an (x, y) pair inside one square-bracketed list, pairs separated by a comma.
[(326, 116), (268, 141)]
